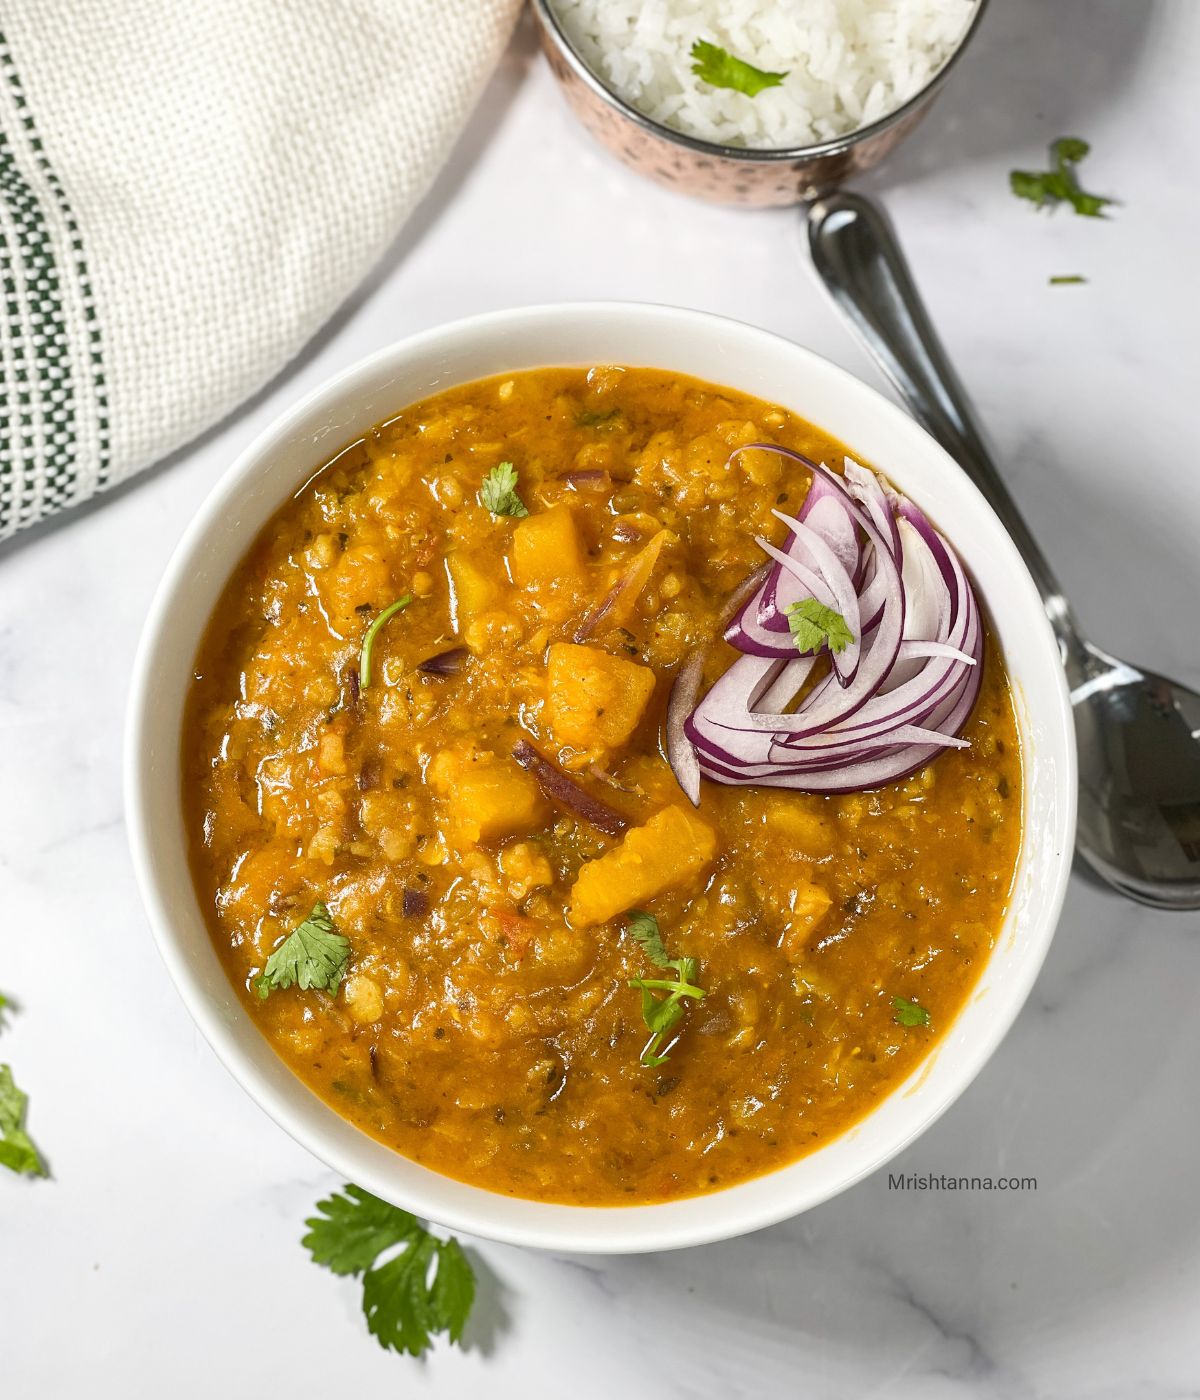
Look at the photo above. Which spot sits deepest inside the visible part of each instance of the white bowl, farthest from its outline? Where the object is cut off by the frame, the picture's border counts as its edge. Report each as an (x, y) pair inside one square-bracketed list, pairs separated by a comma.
[(726, 353)]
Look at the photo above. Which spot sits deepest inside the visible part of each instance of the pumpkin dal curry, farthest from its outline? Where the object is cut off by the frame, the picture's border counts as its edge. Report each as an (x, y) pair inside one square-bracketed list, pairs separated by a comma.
[(444, 856)]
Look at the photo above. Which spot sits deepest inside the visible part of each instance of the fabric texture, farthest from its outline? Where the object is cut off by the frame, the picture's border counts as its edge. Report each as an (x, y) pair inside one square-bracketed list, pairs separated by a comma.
[(186, 193)]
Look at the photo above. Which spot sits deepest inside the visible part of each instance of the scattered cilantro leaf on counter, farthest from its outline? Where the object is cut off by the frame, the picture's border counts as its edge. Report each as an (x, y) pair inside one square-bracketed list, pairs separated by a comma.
[(1060, 184), (813, 625), (661, 1013), (1071, 280), (908, 1013), (17, 1151), (718, 68), (499, 491), (314, 955), (403, 1305), (368, 642)]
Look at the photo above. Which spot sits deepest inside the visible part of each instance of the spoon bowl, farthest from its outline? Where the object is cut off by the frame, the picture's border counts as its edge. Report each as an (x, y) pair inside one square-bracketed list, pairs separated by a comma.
[(1138, 735)]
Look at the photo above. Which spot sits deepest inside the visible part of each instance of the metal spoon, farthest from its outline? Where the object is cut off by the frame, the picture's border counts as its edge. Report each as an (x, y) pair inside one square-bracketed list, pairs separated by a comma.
[(1138, 732)]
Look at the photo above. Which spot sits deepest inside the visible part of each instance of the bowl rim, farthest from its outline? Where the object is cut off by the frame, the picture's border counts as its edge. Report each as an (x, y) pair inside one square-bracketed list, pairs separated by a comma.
[(551, 27), (566, 1227)]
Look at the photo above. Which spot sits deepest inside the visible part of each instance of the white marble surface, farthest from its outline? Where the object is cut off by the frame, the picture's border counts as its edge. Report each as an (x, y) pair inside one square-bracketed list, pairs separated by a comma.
[(164, 1256)]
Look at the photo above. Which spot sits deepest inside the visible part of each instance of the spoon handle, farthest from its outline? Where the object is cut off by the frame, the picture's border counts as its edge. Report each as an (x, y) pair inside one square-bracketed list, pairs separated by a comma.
[(859, 260)]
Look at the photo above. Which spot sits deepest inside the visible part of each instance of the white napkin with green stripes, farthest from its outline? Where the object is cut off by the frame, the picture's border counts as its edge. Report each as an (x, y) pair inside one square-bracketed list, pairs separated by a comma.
[(187, 191)]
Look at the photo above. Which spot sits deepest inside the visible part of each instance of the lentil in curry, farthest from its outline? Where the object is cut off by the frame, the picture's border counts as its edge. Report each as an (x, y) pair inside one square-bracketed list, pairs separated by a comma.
[(486, 1025)]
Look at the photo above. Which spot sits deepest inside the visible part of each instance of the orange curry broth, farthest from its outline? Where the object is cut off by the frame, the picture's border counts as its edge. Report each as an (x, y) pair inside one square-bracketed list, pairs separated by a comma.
[(490, 1033)]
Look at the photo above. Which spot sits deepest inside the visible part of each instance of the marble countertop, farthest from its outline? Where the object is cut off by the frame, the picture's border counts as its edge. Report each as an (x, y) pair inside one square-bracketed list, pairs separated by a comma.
[(164, 1256)]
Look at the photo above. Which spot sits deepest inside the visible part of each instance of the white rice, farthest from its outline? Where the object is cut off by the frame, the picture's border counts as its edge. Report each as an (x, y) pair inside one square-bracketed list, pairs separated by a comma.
[(849, 62)]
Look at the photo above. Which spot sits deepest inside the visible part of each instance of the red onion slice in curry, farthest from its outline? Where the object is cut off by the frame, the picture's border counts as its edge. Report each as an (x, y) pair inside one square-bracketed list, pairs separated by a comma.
[(561, 789)]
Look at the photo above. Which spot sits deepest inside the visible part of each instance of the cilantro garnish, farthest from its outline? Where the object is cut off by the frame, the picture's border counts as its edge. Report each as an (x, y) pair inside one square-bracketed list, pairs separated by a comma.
[(661, 1014), (813, 626), (718, 68), (368, 642), (402, 1304), (908, 1013), (595, 418), (1059, 185), (499, 491), (17, 1151), (1072, 280), (311, 956)]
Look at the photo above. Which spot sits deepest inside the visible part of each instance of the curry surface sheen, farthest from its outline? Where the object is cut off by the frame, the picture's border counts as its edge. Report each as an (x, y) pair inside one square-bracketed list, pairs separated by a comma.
[(485, 1026)]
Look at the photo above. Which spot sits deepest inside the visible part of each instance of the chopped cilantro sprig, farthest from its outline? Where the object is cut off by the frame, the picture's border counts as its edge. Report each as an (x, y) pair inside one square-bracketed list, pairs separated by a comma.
[(908, 1013), (718, 68), (813, 626), (425, 1287), (1059, 184), (499, 492), (17, 1151), (314, 955), (661, 1013), (368, 641)]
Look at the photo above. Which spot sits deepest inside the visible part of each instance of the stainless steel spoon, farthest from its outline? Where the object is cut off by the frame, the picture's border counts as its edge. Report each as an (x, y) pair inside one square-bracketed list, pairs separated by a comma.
[(1138, 733)]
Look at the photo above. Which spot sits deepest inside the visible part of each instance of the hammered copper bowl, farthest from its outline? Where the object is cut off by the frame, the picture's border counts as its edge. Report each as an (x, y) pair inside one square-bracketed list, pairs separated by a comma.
[(728, 174)]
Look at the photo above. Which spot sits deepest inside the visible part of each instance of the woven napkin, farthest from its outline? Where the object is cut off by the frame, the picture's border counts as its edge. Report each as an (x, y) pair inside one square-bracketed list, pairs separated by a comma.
[(187, 191)]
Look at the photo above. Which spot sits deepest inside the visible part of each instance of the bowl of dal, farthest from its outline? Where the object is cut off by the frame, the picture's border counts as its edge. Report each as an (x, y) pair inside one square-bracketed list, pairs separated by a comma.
[(462, 849)]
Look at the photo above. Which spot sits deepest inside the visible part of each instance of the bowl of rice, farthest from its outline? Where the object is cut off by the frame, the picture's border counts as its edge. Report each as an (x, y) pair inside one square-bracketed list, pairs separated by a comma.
[(753, 101)]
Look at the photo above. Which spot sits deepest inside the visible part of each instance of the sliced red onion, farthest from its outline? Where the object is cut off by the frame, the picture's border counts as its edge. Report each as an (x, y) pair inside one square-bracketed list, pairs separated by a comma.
[(825, 512), (594, 479), (887, 707), (822, 559), (445, 663), (565, 792), (680, 754), (415, 904)]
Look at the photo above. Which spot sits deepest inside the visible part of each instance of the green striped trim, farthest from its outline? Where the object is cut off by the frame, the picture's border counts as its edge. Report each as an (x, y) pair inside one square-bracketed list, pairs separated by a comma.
[(16, 419), (48, 385), (48, 353)]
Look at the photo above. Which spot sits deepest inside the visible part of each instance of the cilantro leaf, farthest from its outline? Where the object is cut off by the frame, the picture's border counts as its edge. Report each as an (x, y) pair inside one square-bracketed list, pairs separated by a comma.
[(403, 1304), (1059, 184), (644, 928), (311, 956), (368, 641), (396, 1299), (908, 1013), (661, 1013), (453, 1288), (354, 1228), (596, 418), (499, 491), (813, 625), (17, 1151), (718, 68), (1068, 149)]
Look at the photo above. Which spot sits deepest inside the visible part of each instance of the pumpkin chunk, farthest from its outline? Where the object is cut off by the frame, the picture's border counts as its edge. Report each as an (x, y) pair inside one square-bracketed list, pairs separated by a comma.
[(546, 553), (484, 797), (475, 589), (596, 699), (807, 909), (673, 847)]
